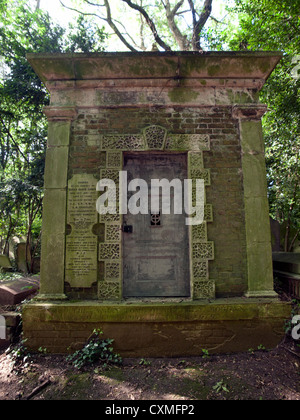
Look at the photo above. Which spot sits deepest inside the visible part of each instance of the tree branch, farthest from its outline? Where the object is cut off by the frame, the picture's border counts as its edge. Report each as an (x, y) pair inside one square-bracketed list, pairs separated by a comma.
[(200, 23), (149, 22), (142, 46), (80, 12), (192, 7), (115, 29), (108, 20), (170, 14), (14, 142), (177, 7)]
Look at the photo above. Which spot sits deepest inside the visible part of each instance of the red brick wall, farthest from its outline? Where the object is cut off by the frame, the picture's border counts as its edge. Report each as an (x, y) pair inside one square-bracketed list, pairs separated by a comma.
[(224, 161)]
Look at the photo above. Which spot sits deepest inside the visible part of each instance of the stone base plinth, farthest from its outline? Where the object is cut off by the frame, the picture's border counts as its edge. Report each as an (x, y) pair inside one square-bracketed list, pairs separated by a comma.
[(158, 329)]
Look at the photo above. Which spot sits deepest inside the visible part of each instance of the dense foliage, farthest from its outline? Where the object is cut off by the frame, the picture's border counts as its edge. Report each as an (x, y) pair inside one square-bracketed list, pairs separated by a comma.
[(274, 25), (163, 25), (96, 349), (23, 126)]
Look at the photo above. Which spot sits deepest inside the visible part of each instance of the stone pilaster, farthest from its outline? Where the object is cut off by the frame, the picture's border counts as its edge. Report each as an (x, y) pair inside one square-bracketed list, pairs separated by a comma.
[(55, 203), (258, 234)]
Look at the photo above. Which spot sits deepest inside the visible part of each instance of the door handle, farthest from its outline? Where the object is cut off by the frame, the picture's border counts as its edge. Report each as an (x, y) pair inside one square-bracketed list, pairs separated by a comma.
[(127, 228)]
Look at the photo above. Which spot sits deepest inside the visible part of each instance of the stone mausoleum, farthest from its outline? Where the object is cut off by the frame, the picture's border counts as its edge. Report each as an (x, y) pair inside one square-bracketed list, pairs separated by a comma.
[(155, 285)]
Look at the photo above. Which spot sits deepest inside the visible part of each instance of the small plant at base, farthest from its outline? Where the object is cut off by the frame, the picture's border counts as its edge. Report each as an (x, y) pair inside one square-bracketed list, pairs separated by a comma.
[(220, 386), (295, 311), (19, 356), (261, 348), (144, 362), (205, 354), (96, 349)]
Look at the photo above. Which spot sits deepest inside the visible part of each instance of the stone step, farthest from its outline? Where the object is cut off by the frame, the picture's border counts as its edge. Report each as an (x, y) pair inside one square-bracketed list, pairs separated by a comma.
[(286, 261)]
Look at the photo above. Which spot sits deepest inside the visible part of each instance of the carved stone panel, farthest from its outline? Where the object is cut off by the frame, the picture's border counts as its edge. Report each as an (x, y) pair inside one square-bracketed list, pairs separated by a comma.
[(81, 243)]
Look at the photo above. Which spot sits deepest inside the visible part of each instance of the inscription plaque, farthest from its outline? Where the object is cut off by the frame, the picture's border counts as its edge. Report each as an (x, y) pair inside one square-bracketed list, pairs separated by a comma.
[(81, 244)]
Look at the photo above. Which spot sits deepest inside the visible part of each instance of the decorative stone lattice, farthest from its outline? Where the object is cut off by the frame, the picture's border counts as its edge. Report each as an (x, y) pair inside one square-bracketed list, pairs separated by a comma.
[(200, 270), (208, 213), (196, 160), (109, 252), (109, 218), (123, 142), (110, 174), (199, 142), (203, 251), (201, 174), (204, 289), (155, 138), (113, 233), (112, 271), (200, 232), (114, 159), (109, 291)]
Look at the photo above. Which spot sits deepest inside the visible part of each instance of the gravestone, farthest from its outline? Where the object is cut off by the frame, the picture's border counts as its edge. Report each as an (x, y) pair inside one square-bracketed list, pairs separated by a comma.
[(154, 283), (5, 264), (9, 324), (287, 261), (286, 266), (14, 292), (21, 259), (2, 328)]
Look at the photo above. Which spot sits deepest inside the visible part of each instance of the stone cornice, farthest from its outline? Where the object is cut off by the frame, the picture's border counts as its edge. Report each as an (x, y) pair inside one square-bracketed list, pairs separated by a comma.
[(55, 113), (176, 67), (249, 112)]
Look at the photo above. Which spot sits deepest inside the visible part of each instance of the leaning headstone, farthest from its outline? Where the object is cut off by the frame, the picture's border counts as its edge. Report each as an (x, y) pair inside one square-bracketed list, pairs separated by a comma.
[(5, 264), (21, 257), (14, 292)]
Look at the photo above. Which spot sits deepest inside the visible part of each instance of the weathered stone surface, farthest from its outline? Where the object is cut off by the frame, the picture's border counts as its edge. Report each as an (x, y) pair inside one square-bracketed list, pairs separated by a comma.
[(158, 330), (59, 133), (165, 79), (9, 321), (56, 167), (205, 106), (2, 328), (258, 232), (287, 261), (21, 259), (14, 292), (53, 247), (5, 262), (81, 243), (243, 65)]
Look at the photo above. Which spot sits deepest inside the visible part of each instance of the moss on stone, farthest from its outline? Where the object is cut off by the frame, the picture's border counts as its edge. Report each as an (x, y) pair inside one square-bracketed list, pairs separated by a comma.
[(182, 95), (96, 312)]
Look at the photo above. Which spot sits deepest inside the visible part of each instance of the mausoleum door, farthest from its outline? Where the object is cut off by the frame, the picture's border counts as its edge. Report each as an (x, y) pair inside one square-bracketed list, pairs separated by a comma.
[(155, 246)]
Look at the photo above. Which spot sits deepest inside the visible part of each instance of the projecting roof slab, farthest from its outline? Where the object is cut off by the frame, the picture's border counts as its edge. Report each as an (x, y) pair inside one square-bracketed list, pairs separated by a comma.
[(174, 65)]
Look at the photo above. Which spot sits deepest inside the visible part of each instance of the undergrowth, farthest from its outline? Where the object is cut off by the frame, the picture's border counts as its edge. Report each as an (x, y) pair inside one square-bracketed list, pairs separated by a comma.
[(97, 349)]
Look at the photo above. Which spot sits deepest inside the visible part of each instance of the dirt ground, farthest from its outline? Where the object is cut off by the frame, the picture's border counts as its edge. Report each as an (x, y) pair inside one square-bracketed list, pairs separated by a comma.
[(255, 375)]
